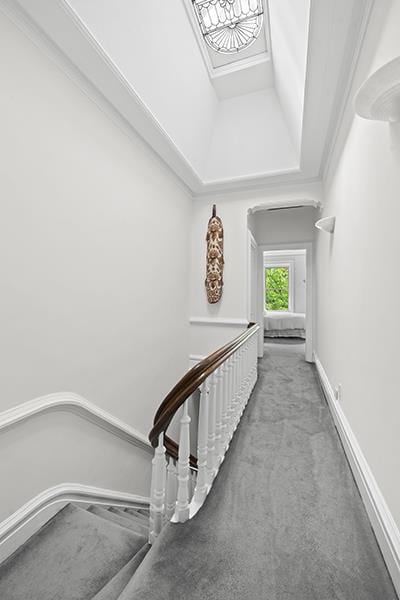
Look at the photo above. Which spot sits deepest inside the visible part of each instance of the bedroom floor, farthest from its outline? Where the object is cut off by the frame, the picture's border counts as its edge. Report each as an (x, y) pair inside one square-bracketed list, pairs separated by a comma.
[(286, 341)]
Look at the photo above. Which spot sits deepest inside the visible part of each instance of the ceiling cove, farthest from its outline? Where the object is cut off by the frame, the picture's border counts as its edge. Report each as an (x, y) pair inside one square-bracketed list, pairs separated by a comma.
[(214, 139)]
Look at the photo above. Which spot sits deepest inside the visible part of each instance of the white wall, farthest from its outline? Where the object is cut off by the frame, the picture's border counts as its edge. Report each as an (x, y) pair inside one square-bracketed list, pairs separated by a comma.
[(94, 239), (358, 283), (285, 226), (60, 447), (233, 210)]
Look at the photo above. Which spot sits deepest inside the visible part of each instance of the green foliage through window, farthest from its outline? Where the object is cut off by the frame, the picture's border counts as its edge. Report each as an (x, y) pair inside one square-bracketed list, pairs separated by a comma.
[(277, 288)]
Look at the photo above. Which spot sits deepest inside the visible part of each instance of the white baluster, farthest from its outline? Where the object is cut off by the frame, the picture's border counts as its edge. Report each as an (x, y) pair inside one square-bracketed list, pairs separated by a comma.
[(225, 392), (234, 392), (219, 390), (202, 439), (211, 465), (247, 371), (231, 409), (244, 375), (240, 393), (182, 503), (192, 483), (157, 489), (172, 487), (233, 395), (239, 386), (255, 358)]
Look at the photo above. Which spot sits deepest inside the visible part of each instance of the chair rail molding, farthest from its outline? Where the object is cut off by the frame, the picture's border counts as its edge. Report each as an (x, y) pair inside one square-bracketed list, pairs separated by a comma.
[(69, 402), (229, 322), (26, 520), (385, 528)]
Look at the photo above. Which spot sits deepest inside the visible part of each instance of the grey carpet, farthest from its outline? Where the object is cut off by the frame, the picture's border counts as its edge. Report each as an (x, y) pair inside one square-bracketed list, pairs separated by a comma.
[(113, 589), (284, 520), (73, 557), (139, 522), (139, 530)]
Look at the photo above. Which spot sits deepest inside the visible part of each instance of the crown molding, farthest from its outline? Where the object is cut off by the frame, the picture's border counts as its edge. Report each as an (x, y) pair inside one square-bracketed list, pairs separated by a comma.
[(344, 111), (86, 63)]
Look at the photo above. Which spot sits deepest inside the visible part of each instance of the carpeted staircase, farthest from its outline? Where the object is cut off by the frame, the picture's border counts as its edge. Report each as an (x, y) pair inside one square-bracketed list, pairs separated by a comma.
[(283, 520), (78, 555)]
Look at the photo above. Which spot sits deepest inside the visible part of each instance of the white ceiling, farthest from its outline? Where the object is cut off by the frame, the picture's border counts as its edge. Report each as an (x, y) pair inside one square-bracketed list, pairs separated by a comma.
[(271, 122)]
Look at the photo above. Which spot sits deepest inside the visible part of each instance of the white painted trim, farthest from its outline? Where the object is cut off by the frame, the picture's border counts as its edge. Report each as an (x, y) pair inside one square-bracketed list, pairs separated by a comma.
[(291, 266), (275, 203), (219, 321), (66, 401), (344, 110), (27, 520), (196, 357), (385, 528), (310, 319), (251, 248)]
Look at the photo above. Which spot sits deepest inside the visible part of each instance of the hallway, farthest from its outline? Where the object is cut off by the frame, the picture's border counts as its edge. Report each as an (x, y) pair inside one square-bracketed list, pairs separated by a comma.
[(284, 519)]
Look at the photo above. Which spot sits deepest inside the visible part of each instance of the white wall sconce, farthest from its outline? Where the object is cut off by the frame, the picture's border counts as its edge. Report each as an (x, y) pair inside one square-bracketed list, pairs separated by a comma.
[(326, 224), (379, 96)]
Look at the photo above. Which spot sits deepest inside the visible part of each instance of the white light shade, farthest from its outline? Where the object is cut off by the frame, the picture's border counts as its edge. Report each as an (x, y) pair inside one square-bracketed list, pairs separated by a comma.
[(326, 224), (379, 97)]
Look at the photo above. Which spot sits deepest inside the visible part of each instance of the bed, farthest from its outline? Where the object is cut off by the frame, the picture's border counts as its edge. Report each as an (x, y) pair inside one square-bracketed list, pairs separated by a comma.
[(284, 324)]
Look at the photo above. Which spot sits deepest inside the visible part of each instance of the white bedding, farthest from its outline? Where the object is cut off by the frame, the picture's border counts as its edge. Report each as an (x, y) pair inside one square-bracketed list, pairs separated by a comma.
[(278, 320)]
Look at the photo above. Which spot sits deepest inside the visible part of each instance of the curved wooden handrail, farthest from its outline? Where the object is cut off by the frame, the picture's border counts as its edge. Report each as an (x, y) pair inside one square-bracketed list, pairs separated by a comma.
[(189, 384)]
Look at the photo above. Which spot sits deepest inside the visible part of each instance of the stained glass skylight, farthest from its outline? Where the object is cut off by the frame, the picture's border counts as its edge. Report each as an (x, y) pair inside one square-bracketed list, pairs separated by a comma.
[(229, 26)]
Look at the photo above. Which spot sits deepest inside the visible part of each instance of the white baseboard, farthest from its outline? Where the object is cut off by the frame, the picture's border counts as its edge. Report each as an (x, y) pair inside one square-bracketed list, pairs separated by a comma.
[(27, 520), (384, 526)]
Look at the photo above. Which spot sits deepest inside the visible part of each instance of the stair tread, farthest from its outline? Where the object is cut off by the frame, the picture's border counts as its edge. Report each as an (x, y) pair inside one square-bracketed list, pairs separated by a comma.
[(116, 585), (109, 515), (73, 556), (134, 518), (135, 513), (143, 511)]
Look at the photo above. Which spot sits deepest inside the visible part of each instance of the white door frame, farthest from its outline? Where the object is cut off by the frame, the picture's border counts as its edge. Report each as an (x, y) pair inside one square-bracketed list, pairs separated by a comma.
[(310, 321)]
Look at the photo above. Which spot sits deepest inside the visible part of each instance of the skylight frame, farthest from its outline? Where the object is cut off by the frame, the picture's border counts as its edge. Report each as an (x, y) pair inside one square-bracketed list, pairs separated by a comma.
[(231, 25)]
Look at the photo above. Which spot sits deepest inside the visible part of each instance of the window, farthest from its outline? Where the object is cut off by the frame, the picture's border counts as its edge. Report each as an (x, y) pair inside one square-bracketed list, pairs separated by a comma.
[(229, 25), (277, 288)]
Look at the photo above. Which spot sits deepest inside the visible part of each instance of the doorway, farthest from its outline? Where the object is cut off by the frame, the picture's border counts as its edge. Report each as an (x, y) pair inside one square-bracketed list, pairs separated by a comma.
[(285, 296)]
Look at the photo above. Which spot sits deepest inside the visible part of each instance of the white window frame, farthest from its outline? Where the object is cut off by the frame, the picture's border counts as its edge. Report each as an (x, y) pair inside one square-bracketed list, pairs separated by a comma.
[(287, 265)]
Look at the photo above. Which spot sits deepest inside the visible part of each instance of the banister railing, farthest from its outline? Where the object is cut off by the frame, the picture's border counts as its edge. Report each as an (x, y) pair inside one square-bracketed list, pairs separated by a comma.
[(180, 481)]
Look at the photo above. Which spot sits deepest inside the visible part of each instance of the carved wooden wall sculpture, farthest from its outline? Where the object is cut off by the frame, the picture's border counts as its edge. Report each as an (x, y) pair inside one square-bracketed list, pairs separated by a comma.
[(215, 258)]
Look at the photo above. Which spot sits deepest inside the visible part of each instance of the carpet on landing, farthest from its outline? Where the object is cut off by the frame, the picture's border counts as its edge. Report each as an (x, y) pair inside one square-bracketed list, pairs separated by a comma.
[(284, 519)]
